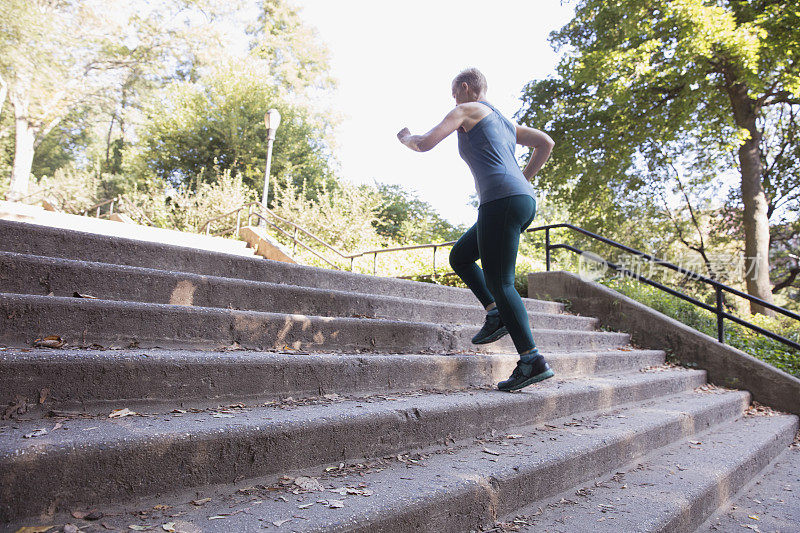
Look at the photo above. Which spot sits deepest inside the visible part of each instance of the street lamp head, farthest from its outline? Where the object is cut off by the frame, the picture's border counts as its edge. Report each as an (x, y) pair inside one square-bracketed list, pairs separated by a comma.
[(272, 119)]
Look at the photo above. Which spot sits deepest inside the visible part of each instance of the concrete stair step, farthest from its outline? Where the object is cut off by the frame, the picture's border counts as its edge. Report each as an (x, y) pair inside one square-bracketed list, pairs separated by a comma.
[(82, 322), (463, 486), (109, 228), (97, 459), (674, 489), (769, 502), (51, 242), (95, 380), (29, 274)]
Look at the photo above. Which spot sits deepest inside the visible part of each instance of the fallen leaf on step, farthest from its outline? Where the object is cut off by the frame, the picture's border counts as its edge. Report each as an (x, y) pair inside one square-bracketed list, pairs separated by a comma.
[(513, 436), (36, 433), (43, 395), (93, 515), (169, 526), (222, 415), (119, 413), (305, 506), (79, 514), (34, 529), (335, 504), (70, 528), (218, 517), (490, 452), (139, 528), (76, 294), (752, 517), (162, 507), (279, 523), (51, 341), (200, 502), (309, 483), (18, 407)]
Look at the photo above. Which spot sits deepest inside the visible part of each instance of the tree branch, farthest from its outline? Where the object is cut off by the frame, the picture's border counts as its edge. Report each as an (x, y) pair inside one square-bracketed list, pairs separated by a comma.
[(793, 273)]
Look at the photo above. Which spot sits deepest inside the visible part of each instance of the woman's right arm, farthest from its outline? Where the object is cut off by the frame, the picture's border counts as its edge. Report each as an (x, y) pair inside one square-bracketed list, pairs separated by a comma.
[(542, 145)]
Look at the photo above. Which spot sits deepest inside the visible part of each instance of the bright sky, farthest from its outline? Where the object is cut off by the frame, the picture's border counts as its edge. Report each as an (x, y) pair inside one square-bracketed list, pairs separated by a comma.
[(394, 62)]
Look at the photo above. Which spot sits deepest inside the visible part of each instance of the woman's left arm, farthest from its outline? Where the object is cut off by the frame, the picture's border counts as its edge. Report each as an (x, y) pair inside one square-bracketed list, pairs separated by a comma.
[(542, 145), (423, 143)]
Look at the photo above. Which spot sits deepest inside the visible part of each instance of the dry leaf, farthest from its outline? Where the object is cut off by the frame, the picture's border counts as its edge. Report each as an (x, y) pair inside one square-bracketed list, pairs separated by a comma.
[(70, 528), (306, 506), (43, 395), (335, 504), (36, 433), (200, 502), (76, 294), (752, 517), (218, 517), (51, 341), (34, 529), (279, 523), (309, 484), (490, 452), (119, 413), (169, 526), (162, 507), (139, 528)]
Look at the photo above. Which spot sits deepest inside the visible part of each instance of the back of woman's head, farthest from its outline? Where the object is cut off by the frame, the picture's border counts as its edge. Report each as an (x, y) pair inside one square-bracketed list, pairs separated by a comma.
[(474, 79)]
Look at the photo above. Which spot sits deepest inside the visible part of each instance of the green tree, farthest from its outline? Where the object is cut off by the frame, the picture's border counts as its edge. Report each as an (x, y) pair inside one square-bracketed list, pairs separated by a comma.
[(404, 218), (646, 83), (218, 122)]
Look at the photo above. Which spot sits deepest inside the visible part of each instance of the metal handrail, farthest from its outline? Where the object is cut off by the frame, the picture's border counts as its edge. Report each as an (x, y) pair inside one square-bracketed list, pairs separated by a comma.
[(719, 288), (206, 227)]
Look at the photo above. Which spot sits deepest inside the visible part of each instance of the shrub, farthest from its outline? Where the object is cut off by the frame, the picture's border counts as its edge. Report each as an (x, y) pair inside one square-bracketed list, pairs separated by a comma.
[(770, 351)]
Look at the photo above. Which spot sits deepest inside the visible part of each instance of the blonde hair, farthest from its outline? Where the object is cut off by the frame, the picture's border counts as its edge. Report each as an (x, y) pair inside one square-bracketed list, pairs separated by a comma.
[(474, 79)]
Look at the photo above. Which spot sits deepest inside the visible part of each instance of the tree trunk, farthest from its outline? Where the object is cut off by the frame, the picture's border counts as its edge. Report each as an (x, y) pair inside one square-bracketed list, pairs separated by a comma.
[(756, 221), (24, 138), (3, 94)]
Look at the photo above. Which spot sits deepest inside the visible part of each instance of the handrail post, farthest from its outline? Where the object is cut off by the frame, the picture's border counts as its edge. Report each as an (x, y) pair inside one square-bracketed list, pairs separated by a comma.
[(238, 221), (294, 245), (375, 264), (720, 324), (547, 248), (111, 208), (97, 213), (434, 262), (351, 263)]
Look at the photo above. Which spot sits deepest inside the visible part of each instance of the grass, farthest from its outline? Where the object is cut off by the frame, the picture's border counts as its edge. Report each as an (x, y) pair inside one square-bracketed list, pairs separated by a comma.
[(770, 351)]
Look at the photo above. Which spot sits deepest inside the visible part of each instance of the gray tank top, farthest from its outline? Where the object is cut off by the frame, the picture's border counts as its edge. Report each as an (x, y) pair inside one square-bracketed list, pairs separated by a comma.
[(488, 148)]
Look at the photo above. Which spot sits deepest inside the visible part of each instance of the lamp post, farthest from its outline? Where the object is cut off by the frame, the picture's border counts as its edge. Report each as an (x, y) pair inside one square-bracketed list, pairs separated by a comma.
[(272, 119)]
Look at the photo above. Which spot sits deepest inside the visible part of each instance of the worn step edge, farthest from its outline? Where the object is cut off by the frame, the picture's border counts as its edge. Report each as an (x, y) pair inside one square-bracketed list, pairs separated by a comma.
[(82, 322), (771, 496), (444, 488), (43, 241), (677, 488), (25, 274), (136, 456), (92, 380), (471, 495)]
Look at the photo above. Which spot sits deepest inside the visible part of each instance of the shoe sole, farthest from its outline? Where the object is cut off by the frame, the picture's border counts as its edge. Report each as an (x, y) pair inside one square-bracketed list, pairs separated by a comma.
[(493, 337), (531, 380)]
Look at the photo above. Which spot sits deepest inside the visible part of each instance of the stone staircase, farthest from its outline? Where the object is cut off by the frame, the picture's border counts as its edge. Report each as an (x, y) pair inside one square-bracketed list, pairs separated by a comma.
[(190, 390)]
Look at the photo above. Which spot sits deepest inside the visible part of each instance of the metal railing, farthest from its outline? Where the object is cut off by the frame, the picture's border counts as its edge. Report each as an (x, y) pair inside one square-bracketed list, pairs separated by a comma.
[(719, 288), (246, 213), (119, 200)]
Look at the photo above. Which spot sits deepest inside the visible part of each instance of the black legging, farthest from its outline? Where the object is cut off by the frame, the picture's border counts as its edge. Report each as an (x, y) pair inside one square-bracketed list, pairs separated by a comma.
[(494, 239)]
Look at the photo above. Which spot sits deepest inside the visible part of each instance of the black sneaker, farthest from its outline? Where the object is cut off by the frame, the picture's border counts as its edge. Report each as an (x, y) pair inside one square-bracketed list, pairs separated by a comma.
[(526, 374), (492, 329)]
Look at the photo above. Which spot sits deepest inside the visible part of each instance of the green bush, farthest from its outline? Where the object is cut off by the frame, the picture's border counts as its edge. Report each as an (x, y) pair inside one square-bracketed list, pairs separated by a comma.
[(770, 351)]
